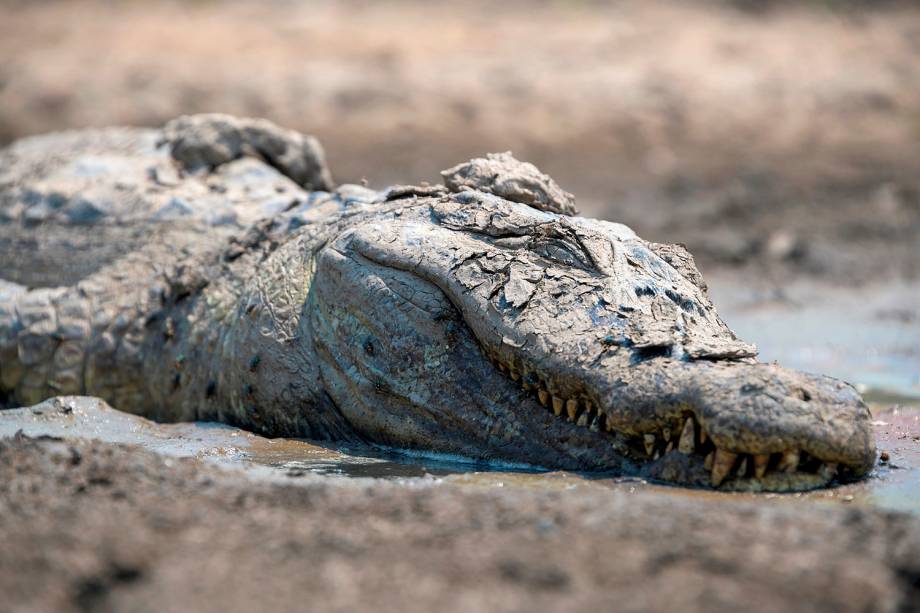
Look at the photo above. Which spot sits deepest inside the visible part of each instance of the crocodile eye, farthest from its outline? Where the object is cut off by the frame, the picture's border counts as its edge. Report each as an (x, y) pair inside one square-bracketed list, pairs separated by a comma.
[(561, 252)]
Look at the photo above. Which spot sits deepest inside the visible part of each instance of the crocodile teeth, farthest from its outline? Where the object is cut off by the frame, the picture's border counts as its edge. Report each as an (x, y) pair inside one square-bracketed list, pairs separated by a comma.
[(789, 462), (828, 470), (600, 424), (543, 395), (742, 468), (721, 466), (571, 407), (707, 463), (583, 420), (666, 434), (649, 443), (670, 447), (515, 375), (557, 405), (687, 444), (702, 436), (760, 464)]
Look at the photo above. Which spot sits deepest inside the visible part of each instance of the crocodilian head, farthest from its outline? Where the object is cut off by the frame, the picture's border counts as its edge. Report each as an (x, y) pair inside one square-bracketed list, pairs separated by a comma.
[(467, 324)]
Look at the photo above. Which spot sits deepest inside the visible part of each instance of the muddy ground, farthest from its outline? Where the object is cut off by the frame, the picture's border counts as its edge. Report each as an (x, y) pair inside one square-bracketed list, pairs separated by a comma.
[(779, 140), (140, 516), (97, 527)]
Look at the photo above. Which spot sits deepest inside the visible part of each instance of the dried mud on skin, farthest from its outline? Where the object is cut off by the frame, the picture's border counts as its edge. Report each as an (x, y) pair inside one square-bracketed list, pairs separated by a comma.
[(191, 320), (91, 526)]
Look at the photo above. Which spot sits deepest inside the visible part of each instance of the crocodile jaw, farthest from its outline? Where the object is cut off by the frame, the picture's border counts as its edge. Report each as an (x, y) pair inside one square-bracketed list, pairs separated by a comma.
[(612, 340), (736, 425)]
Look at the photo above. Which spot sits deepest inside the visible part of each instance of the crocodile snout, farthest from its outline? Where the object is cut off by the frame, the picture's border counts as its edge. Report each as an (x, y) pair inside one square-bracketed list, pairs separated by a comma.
[(750, 426)]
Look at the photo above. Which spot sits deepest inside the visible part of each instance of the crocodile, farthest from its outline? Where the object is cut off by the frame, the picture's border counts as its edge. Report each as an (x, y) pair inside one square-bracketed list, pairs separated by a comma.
[(212, 270)]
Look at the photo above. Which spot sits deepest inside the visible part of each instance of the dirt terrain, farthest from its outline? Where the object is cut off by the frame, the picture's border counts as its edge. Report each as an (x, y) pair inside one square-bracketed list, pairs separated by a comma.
[(206, 517), (112, 528), (785, 139)]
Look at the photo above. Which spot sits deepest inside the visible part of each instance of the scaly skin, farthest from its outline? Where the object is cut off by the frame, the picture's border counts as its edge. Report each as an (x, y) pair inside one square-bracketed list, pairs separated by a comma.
[(458, 320)]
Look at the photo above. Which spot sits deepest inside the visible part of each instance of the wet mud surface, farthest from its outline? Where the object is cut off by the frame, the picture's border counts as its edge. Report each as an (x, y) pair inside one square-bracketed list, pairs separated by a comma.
[(97, 526), (893, 485)]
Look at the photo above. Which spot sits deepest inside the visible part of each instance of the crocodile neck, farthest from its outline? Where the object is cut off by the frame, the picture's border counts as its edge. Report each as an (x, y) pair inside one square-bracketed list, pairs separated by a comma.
[(240, 349)]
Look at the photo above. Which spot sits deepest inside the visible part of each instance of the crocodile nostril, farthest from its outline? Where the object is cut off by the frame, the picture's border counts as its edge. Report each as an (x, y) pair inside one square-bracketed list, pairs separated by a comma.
[(804, 395)]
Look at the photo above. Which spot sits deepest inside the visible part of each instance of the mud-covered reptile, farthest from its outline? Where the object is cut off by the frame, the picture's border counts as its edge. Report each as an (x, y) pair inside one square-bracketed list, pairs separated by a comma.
[(211, 271)]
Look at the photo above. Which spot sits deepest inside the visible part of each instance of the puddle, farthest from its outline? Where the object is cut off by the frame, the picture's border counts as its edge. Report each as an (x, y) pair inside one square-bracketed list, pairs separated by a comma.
[(869, 336), (296, 458), (894, 485)]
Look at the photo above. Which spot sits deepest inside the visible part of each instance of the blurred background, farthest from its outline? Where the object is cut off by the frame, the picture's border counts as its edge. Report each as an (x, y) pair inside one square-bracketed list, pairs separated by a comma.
[(779, 140)]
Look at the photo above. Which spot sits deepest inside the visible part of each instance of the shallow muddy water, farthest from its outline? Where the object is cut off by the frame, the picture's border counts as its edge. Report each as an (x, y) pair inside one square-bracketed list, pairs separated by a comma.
[(895, 484), (869, 336)]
